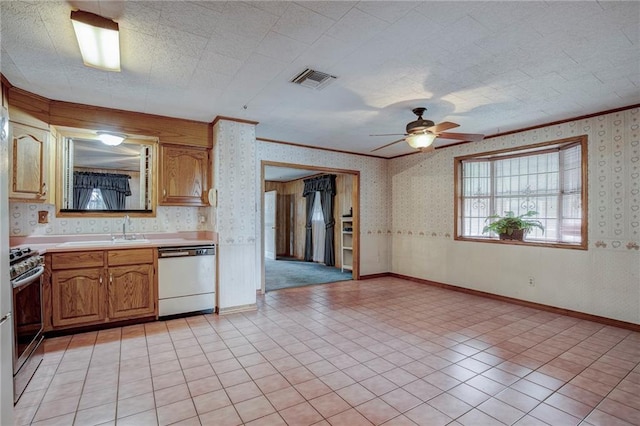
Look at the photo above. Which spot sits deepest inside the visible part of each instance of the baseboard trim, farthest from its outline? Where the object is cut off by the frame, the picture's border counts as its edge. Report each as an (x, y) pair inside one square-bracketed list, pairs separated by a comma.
[(237, 309), (372, 276), (568, 312)]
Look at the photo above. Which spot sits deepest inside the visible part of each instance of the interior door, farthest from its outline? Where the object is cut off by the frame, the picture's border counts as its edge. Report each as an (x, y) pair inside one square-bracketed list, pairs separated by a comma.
[(270, 225)]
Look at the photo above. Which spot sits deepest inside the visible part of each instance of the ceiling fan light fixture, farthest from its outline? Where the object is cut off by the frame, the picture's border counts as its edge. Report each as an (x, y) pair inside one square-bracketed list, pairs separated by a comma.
[(99, 40), (111, 139), (420, 140)]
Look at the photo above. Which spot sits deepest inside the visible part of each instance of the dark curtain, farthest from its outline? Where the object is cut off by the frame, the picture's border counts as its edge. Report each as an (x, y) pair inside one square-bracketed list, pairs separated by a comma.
[(114, 200), (308, 239), (114, 188), (326, 200), (81, 197), (327, 186)]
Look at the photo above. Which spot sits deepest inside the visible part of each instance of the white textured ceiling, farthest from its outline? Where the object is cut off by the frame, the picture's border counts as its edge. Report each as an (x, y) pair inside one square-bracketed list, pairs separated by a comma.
[(93, 154), (489, 66)]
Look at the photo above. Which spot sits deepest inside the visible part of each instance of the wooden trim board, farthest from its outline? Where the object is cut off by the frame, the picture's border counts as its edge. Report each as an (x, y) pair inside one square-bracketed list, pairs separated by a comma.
[(237, 309)]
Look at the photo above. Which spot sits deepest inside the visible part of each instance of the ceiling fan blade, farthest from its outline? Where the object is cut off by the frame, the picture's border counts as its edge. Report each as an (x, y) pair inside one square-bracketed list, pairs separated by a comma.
[(428, 149), (441, 127), (389, 144), (471, 137), (391, 134)]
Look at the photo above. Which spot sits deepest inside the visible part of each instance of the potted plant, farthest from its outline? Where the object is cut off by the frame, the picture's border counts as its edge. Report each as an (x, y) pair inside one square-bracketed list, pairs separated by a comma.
[(512, 227)]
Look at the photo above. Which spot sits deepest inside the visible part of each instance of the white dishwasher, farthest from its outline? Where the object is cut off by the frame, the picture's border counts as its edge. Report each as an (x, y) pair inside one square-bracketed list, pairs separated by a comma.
[(186, 280)]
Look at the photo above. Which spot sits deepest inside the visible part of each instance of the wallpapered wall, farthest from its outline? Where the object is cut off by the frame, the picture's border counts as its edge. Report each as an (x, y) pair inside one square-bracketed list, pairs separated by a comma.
[(374, 195), (237, 214), (235, 179), (605, 280), (406, 219), (23, 221)]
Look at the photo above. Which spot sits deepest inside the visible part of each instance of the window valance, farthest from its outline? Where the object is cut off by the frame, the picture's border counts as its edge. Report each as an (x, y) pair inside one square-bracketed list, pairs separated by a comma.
[(325, 183), (102, 181)]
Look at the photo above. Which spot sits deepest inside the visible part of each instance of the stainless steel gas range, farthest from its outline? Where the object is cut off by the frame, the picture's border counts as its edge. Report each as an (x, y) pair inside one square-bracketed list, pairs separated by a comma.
[(26, 269)]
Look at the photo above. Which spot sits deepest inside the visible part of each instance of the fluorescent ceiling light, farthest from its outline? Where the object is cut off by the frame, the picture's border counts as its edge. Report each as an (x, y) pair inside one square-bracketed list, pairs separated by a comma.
[(420, 140), (111, 139), (99, 40)]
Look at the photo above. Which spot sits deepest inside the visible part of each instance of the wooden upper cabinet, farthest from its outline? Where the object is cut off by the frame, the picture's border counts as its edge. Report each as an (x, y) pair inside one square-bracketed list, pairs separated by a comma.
[(184, 176), (29, 163)]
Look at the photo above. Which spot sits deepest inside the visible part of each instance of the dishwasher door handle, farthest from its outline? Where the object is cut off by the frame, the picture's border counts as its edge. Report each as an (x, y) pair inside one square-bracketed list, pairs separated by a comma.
[(173, 254)]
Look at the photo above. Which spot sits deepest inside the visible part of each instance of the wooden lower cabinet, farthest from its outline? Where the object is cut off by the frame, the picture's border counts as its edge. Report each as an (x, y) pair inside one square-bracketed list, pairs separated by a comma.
[(77, 296), (88, 296), (131, 292)]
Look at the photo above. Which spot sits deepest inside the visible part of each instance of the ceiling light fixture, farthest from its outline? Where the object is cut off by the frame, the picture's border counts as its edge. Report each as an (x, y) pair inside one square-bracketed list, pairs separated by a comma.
[(99, 40), (420, 140), (111, 139)]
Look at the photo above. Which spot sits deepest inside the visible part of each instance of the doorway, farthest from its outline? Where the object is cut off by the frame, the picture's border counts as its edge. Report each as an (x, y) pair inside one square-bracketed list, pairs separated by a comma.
[(282, 188)]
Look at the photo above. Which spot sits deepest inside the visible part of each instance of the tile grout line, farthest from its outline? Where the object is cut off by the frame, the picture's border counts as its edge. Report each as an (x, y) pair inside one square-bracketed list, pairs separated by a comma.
[(49, 385), (336, 324)]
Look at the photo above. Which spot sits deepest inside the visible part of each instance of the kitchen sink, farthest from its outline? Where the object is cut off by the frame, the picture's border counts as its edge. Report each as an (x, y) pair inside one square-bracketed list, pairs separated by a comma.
[(84, 243), (117, 242)]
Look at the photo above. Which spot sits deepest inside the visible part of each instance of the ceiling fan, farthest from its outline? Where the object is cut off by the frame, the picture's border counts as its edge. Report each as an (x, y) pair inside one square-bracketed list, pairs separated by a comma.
[(421, 133)]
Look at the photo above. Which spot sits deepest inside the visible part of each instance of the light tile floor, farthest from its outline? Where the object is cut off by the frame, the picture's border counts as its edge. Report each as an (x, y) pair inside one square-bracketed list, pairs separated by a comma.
[(383, 351)]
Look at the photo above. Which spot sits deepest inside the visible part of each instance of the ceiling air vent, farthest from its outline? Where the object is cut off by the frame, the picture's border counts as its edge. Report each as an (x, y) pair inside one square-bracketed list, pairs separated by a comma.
[(313, 79)]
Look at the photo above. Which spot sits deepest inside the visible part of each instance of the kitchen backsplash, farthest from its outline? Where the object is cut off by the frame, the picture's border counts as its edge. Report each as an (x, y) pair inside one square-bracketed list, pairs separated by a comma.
[(23, 221)]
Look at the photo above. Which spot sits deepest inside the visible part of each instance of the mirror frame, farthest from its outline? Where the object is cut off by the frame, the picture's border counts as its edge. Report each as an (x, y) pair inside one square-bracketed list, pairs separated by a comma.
[(87, 134)]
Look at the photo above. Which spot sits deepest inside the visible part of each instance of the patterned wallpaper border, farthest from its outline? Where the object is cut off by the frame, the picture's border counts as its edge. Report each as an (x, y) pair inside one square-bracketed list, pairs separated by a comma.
[(619, 245)]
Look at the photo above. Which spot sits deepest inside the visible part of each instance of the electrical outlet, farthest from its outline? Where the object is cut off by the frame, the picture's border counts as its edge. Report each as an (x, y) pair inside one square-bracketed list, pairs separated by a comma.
[(532, 282), (43, 216)]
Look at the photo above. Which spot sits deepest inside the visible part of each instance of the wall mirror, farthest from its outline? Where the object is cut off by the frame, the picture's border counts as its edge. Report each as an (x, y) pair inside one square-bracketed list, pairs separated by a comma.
[(105, 180)]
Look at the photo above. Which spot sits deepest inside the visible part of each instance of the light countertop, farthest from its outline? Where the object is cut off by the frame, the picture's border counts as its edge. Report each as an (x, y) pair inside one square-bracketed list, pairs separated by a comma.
[(84, 242)]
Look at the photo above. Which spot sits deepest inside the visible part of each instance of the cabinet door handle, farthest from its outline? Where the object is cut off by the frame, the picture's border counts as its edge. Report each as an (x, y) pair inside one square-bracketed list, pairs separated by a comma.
[(110, 278), (43, 191), (164, 193), (100, 280)]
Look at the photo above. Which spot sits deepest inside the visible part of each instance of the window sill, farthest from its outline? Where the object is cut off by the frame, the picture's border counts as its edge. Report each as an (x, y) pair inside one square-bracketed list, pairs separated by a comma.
[(572, 246)]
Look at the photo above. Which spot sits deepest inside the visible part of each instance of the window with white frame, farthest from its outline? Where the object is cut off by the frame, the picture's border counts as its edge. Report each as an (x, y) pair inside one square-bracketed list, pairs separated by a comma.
[(548, 178), (96, 202)]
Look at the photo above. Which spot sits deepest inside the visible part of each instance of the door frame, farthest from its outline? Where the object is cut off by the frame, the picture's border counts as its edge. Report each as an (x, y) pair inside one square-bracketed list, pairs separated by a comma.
[(355, 202)]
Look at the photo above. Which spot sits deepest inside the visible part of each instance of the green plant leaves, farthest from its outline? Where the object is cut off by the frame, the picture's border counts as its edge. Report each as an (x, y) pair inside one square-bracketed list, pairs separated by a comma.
[(510, 222)]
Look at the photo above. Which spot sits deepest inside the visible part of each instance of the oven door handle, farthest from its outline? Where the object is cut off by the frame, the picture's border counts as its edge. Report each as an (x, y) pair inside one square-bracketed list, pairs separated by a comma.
[(29, 279)]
